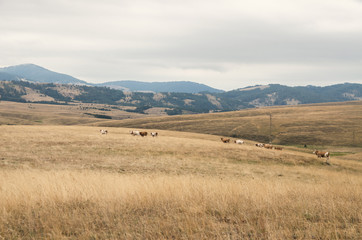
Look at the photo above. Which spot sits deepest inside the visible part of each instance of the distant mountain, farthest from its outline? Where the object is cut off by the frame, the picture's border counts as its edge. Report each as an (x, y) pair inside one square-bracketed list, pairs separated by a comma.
[(180, 103), (275, 94), (34, 73), (8, 77), (21, 83), (179, 86)]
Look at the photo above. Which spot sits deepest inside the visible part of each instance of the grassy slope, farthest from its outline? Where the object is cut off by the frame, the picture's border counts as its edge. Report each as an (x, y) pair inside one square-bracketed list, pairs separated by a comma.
[(338, 124), (72, 182), (13, 113), (319, 124), (61, 181)]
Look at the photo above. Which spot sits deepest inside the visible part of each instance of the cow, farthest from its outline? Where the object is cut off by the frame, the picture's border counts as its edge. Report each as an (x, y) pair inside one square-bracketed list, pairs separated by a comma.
[(103, 131), (154, 134), (134, 133), (322, 154), (225, 140), (239, 141), (268, 146), (143, 134), (259, 144), (278, 148)]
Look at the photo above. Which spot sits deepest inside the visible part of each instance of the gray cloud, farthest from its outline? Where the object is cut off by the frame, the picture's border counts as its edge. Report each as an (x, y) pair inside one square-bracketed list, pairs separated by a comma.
[(226, 44)]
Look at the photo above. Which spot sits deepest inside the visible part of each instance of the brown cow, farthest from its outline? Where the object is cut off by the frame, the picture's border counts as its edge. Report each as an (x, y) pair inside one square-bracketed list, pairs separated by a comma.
[(143, 134), (268, 146), (278, 148), (322, 154), (225, 140)]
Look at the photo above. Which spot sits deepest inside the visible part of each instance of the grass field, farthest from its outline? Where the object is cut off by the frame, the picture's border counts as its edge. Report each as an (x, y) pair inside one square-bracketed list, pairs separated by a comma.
[(71, 182), (328, 124), (14, 113), (319, 124)]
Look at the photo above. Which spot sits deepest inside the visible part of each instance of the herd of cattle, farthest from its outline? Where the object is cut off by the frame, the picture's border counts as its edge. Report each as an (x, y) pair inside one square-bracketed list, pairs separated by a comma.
[(262, 145), (143, 134), (133, 133), (320, 154)]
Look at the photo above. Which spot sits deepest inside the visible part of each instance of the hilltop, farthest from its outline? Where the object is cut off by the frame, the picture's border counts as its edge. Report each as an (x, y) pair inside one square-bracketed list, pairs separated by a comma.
[(158, 87), (35, 73)]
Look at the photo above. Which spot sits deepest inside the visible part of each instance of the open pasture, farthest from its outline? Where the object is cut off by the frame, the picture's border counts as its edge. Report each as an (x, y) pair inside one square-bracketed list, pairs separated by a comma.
[(15, 113), (338, 124), (72, 182)]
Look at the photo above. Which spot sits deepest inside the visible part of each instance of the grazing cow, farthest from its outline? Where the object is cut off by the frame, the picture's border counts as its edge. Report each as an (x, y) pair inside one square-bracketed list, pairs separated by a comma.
[(268, 146), (278, 148), (321, 154), (143, 134), (154, 134), (239, 141), (103, 131), (135, 133), (225, 140), (259, 144)]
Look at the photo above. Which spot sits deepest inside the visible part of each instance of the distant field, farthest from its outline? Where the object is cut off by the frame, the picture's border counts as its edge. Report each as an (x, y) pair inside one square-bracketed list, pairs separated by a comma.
[(338, 124), (13, 113), (60, 182)]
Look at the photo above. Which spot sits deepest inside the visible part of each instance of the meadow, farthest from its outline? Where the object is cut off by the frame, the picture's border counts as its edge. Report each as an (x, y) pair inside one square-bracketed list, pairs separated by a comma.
[(316, 124), (61, 179)]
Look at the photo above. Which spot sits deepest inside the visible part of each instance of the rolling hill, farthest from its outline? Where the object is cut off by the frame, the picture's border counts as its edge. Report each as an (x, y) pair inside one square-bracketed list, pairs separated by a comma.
[(38, 74), (71, 182), (337, 124), (34, 73), (314, 124), (179, 103), (157, 87), (61, 178)]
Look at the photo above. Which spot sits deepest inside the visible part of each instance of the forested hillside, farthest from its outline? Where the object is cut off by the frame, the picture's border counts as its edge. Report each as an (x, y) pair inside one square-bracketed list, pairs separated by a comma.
[(179, 103)]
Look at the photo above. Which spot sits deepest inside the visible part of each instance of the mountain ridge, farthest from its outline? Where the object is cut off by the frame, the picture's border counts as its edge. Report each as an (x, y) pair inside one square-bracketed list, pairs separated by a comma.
[(178, 103), (34, 73), (171, 86)]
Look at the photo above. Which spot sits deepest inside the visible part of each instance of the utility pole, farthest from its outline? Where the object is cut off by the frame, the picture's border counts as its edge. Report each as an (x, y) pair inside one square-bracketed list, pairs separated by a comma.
[(270, 128)]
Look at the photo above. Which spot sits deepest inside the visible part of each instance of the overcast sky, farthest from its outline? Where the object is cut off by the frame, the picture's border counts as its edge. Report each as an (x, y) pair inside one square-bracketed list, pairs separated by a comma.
[(226, 44)]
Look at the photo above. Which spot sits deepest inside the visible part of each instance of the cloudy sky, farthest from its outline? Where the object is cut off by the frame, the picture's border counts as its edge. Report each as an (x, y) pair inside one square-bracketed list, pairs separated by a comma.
[(226, 44)]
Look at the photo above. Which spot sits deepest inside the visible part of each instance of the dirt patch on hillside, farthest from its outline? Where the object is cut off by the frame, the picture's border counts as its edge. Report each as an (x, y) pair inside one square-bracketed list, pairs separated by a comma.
[(213, 100), (35, 96), (68, 91)]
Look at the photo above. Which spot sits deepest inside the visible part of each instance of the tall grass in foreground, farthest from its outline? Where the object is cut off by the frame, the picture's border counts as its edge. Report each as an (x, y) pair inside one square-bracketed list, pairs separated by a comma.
[(36, 204)]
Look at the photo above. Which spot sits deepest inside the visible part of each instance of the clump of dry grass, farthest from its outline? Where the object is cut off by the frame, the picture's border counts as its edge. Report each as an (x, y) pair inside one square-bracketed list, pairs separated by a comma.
[(56, 204)]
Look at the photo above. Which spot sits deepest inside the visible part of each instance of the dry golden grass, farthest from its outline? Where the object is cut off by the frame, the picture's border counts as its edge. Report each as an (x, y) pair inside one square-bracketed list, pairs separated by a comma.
[(338, 124), (71, 182), (99, 205), (49, 114)]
